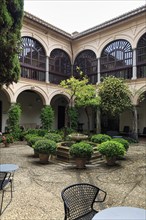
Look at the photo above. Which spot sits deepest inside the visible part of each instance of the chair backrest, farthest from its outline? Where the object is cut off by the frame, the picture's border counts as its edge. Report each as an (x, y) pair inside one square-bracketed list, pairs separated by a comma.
[(79, 198), (3, 176)]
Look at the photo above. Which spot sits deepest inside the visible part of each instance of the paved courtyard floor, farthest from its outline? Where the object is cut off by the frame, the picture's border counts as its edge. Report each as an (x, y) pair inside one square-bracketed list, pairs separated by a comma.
[(38, 187)]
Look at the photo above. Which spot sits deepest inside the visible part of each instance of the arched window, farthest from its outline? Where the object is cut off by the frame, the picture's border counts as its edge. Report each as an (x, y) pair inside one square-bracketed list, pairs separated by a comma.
[(141, 57), (59, 66), (32, 59), (87, 62), (116, 60)]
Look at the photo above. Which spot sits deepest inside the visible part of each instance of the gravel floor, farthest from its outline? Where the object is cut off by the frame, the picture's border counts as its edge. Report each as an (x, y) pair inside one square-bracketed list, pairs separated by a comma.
[(38, 187)]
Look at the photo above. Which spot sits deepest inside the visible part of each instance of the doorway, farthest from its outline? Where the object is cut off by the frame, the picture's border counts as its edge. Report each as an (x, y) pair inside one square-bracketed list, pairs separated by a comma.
[(61, 117)]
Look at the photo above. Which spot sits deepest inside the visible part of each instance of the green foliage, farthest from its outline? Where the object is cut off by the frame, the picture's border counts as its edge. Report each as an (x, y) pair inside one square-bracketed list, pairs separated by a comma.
[(124, 142), (100, 138), (45, 146), (33, 139), (14, 114), (111, 148), (54, 137), (47, 117), (81, 149), (131, 140), (87, 97), (73, 85), (114, 95), (11, 15)]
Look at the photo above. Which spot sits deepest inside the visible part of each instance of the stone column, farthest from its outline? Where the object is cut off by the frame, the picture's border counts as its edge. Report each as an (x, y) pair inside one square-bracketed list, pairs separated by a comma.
[(98, 70), (47, 69), (134, 68)]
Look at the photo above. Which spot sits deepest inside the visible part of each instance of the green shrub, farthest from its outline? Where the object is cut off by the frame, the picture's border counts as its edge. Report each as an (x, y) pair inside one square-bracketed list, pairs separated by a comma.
[(111, 148), (32, 140), (42, 132), (27, 137), (100, 138), (45, 146), (81, 149), (122, 141), (53, 137), (131, 140)]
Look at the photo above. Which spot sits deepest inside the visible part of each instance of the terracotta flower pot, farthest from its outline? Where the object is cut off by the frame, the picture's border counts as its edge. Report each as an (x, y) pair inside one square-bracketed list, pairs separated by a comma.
[(111, 160), (43, 158), (7, 144), (80, 162)]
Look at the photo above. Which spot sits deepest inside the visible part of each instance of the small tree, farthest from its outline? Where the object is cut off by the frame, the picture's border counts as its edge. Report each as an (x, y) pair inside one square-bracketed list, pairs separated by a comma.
[(87, 99), (83, 94), (47, 117), (72, 86), (11, 14), (14, 115), (115, 96)]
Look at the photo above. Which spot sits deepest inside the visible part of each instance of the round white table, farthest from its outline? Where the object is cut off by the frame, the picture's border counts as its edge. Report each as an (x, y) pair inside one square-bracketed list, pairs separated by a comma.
[(121, 213), (8, 167)]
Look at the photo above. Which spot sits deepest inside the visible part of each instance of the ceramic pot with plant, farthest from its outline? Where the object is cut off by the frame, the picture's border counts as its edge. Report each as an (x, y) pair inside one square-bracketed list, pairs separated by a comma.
[(45, 148), (111, 150), (7, 140), (81, 152)]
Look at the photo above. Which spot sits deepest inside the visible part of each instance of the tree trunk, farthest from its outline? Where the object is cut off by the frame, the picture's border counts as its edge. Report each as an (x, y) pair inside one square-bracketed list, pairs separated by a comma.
[(88, 121), (98, 121), (134, 127)]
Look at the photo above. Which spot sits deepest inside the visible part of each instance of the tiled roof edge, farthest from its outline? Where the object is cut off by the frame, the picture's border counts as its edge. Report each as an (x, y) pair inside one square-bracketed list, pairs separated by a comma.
[(40, 21), (112, 21), (88, 31)]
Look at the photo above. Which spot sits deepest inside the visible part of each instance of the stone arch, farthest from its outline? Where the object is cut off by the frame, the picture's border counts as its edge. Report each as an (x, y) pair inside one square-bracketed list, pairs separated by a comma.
[(63, 48), (9, 93), (116, 59), (111, 39), (86, 47), (59, 92), (139, 35), (36, 37), (138, 94), (34, 88)]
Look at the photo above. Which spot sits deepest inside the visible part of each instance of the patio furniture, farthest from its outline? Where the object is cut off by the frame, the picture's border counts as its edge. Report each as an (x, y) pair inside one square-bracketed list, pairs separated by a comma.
[(121, 213), (9, 168), (79, 200), (5, 180)]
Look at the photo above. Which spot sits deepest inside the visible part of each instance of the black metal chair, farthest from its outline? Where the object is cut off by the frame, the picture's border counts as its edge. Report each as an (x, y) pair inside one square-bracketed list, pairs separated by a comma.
[(5, 181), (79, 200)]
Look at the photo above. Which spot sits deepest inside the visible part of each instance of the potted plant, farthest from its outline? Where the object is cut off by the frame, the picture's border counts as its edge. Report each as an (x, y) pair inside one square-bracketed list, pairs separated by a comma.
[(111, 150), (7, 139), (31, 141), (44, 148), (81, 152)]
